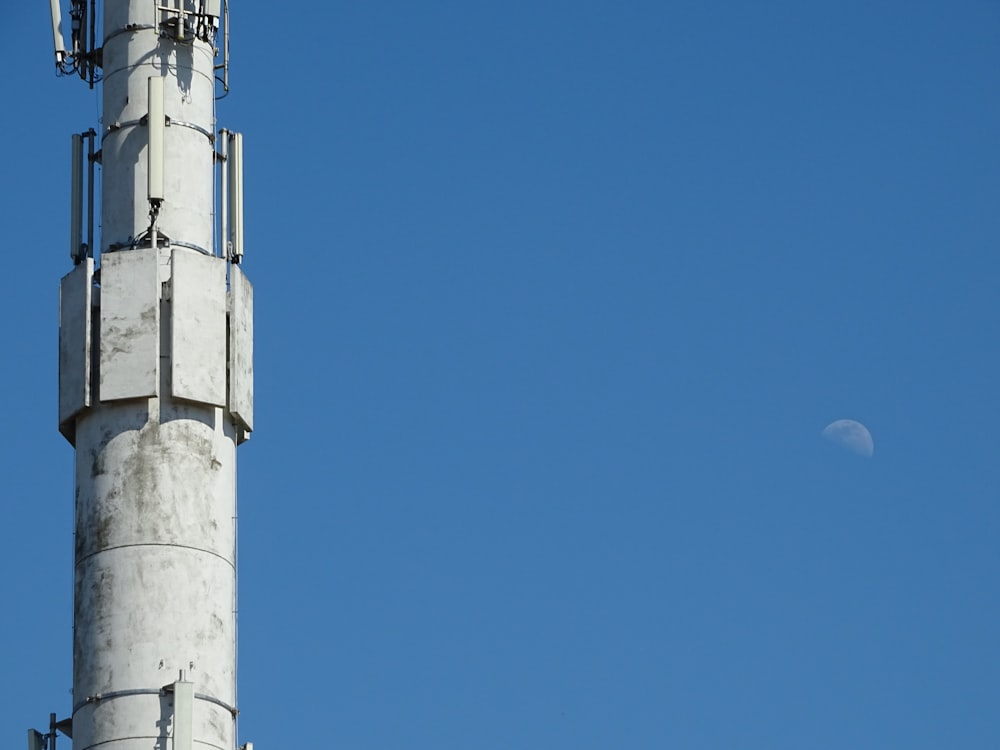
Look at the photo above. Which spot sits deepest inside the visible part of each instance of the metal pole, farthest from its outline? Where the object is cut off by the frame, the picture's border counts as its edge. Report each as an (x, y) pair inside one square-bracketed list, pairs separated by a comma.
[(92, 44), (224, 194)]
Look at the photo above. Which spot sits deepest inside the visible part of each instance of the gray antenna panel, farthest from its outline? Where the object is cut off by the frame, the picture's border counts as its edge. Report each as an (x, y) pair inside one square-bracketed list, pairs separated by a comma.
[(76, 200)]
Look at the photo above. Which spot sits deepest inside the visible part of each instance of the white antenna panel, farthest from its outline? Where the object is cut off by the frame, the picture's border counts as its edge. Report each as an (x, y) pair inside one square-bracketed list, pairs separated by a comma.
[(58, 42), (213, 8), (183, 716), (235, 196), (156, 126)]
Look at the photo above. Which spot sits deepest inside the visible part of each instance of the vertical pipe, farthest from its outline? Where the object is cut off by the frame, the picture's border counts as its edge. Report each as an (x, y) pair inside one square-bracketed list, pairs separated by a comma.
[(83, 41), (91, 137), (225, 42), (92, 44)]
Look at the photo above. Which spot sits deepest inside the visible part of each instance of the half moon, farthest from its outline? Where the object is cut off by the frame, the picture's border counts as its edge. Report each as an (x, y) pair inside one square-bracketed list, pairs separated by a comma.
[(851, 435)]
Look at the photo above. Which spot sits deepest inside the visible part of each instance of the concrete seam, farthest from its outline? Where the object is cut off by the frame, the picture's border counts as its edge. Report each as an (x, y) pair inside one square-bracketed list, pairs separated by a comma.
[(101, 697), (230, 563)]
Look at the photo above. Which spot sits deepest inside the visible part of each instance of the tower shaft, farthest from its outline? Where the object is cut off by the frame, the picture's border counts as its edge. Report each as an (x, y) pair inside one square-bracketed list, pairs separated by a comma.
[(155, 393)]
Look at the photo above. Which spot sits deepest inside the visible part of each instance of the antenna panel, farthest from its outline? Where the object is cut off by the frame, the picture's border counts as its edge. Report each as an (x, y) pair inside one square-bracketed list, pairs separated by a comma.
[(183, 716), (156, 126), (75, 310), (240, 349), (198, 327), (130, 326), (76, 200), (235, 160), (58, 42)]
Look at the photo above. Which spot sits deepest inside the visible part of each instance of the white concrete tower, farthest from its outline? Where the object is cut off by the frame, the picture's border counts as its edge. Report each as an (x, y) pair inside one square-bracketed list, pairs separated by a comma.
[(155, 381)]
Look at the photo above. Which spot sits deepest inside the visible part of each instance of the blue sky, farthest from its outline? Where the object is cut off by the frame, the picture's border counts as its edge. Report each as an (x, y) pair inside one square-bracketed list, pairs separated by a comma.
[(553, 301)]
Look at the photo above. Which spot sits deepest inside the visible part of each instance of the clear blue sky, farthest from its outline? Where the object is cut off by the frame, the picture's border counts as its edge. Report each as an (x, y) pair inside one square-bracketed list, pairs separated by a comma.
[(553, 302)]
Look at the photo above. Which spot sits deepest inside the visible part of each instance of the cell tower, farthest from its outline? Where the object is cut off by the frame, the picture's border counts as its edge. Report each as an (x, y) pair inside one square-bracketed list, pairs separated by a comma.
[(155, 378)]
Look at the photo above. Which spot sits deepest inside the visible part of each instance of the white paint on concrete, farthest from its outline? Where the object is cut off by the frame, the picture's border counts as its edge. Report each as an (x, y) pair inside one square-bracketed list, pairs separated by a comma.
[(198, 327), (156, 409), (75, 294), (130, 325), (241, 348)]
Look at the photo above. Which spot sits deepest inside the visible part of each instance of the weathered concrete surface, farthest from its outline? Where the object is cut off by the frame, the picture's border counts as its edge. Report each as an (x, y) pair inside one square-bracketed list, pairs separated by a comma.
[(155, 569), (188, 69), (130, 326), (155, 584), (198, 327), (75, 295), (147, 399), (241, 349)]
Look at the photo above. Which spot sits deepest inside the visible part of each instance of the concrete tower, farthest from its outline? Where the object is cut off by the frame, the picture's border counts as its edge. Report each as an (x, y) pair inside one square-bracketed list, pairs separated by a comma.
[(155, 378)]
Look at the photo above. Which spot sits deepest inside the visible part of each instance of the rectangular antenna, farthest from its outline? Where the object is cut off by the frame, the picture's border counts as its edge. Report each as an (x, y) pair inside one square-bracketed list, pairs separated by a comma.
[(76, 201), (235, 162), (155, 123), (58, 42), (183, 716)]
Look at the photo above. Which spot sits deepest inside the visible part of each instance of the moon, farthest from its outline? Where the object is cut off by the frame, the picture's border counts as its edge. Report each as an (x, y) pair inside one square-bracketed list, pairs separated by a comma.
[(851, 435)]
